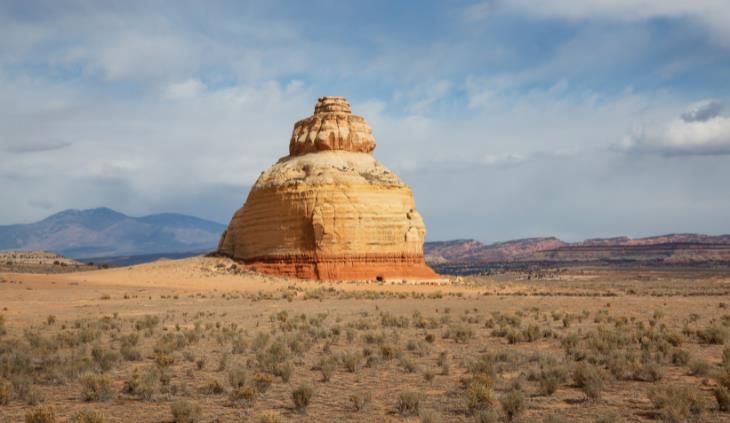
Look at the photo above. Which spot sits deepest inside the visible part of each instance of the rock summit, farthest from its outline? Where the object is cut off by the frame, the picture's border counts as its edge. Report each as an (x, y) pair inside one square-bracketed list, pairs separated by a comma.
[(329, 210)]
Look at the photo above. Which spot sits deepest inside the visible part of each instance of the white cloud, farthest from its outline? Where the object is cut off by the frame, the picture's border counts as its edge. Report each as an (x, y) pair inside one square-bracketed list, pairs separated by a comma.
[(184, 90), (713, 15), (701, 130)]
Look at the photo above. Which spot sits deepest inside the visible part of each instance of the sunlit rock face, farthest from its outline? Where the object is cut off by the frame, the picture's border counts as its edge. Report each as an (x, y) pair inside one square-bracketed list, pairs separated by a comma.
[(329, 210)]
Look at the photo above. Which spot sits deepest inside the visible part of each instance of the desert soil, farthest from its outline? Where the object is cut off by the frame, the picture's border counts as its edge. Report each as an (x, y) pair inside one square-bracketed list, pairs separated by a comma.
[(580, 345)]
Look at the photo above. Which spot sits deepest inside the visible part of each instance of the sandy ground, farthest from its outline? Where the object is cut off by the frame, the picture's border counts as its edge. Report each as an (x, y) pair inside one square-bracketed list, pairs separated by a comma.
[(212, 291)]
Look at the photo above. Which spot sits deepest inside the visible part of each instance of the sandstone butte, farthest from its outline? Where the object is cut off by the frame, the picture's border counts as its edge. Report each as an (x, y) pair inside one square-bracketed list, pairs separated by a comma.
[(329, 210)]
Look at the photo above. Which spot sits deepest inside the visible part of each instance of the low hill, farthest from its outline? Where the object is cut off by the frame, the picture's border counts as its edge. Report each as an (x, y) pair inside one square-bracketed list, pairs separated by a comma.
[(103, 232)]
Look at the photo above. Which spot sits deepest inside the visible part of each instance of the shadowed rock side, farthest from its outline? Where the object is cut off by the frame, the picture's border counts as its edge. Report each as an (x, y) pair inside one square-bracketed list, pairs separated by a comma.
[(329, 210)]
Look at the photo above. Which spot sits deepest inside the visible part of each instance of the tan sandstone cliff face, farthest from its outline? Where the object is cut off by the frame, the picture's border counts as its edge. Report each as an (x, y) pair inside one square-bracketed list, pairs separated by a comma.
[(329, 210)]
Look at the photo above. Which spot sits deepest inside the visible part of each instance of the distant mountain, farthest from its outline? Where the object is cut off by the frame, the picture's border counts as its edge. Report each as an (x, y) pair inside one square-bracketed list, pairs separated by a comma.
[(673, 249), (103, 232)]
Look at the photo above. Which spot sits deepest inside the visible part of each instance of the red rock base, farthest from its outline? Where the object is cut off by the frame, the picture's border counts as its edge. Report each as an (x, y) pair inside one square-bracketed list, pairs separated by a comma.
[(367, 267)]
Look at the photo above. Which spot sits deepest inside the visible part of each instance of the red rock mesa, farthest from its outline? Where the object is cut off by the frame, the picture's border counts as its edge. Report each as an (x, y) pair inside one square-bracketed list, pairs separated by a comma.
[(329, 210)]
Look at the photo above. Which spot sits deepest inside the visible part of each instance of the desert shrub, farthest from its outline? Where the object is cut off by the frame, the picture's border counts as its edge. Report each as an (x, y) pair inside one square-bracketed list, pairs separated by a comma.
[(32, 396), (388, 320), (699, 368), (389, 351), (361, 400), (459, 333), (212, 387), (722, 396), (486, 416), (270, 417), (408, 365), (513, 404), (408, 403), (142, 385), (352, 361), (147, 323), (555, 418), (244, 396), (428, 375), (238, 377), (87, 416), (129, 353), (6, 391), (589, 379), (238, 345), (41, 415), (262, 382), (430, 417), (164, 360), (712, 334), (96, 388), (479, 393), (327, 366), (200, 363), (301, 397), (550, 379), (676, 404), (3, 331), (104, 359), (284, 371), (184, 411), (680, 357), (726, 357), (648, 372), (611, 417)]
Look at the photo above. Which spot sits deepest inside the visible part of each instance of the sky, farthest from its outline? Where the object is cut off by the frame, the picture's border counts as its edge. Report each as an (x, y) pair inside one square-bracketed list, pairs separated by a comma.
[(508, 118)]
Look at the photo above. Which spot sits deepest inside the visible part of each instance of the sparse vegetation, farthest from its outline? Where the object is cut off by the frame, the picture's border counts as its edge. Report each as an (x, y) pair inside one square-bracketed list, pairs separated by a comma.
[(475, 357), (301, 397)]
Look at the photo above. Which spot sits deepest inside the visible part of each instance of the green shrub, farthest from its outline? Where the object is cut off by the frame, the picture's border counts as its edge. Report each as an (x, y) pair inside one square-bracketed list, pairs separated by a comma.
[(184, 411), (408, 403), (301, 397)]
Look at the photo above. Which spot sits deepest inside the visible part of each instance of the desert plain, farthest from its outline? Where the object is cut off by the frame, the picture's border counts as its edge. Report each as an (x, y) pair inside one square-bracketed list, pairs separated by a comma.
[(205, 340)]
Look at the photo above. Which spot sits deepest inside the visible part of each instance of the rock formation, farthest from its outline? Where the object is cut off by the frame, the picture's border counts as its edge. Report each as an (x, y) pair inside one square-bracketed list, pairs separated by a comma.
[(329, 210)]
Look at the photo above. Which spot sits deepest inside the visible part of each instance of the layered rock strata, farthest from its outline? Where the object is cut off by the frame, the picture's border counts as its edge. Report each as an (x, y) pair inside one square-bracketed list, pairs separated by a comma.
[(329, 210)]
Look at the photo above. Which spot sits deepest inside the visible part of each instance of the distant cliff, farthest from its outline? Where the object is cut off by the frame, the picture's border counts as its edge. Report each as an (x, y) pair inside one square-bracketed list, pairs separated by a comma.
[(672, 249)]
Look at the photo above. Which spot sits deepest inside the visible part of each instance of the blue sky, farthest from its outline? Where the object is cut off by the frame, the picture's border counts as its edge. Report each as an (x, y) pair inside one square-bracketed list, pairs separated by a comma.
[(509, 119)]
